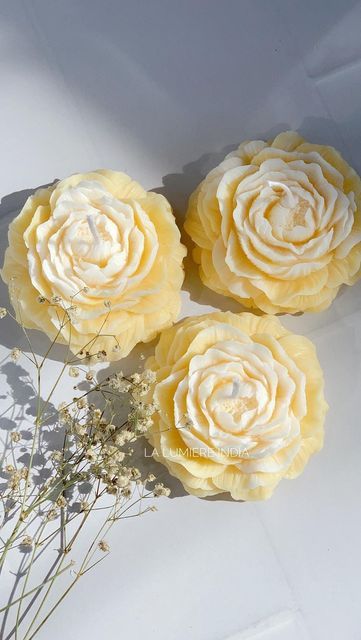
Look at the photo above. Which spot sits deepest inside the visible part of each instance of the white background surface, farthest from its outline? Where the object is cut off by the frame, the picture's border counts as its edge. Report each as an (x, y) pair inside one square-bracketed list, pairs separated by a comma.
[(161, 89)]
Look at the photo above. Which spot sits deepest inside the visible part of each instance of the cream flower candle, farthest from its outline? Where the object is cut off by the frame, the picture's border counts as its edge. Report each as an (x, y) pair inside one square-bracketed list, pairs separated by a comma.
[(98, 242), (278, 225), (240, 401)]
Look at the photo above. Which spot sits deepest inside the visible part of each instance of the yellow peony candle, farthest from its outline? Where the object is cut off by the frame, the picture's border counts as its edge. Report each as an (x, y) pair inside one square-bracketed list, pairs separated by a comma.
[(100, 246), (240, 401), (278, 225)]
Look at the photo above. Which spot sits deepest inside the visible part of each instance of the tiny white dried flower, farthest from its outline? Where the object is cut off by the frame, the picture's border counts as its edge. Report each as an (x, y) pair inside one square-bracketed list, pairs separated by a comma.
[(135, 473), (65, 416), (15, 436), (116, 348), (128, 436), (89, 376), (124, 386), (79, 429), (104, 546), (61, 502), (73, 372), (57, 456), (24, 472), (144, 424), (126, 492), (27, 541), (14, 480), (119, 456), (143, 388), (107, 304), (3, 312), (9, 468), (15, 354), (161, 490), (82, 403), (122, 481), (101, 355), (151, 408), (136, 378), (84, 505), (41, 299), (120, 439), (118, 383), (52, 514), (150, 477), (56, 299), (91, 455)]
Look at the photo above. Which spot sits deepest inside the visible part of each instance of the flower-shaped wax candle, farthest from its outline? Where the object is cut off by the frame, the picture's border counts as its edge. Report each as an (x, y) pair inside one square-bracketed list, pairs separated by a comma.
[(278, 225), (102, 247), (240, 404)]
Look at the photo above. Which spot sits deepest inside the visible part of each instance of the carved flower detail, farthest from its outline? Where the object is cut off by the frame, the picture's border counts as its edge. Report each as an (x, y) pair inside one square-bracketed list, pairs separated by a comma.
[(241, 404), (278, 225), (102, 244)]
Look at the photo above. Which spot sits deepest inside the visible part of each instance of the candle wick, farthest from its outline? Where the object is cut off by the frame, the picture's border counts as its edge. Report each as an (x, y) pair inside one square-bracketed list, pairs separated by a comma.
[(235, 389), (292, 200), (93, 228)]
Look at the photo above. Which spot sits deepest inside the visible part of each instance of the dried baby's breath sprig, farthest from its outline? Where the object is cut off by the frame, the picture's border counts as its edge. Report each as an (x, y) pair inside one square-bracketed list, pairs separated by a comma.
[(91, 468), (51, 514), (9, 468), (3, 312), (104, 546), (61, 502), (57, 456), (161, 490), (15, 354), (27, 541)]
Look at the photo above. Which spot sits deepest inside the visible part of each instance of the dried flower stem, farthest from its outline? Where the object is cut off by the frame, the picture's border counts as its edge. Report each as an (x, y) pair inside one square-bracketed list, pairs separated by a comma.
[(96, 449)]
